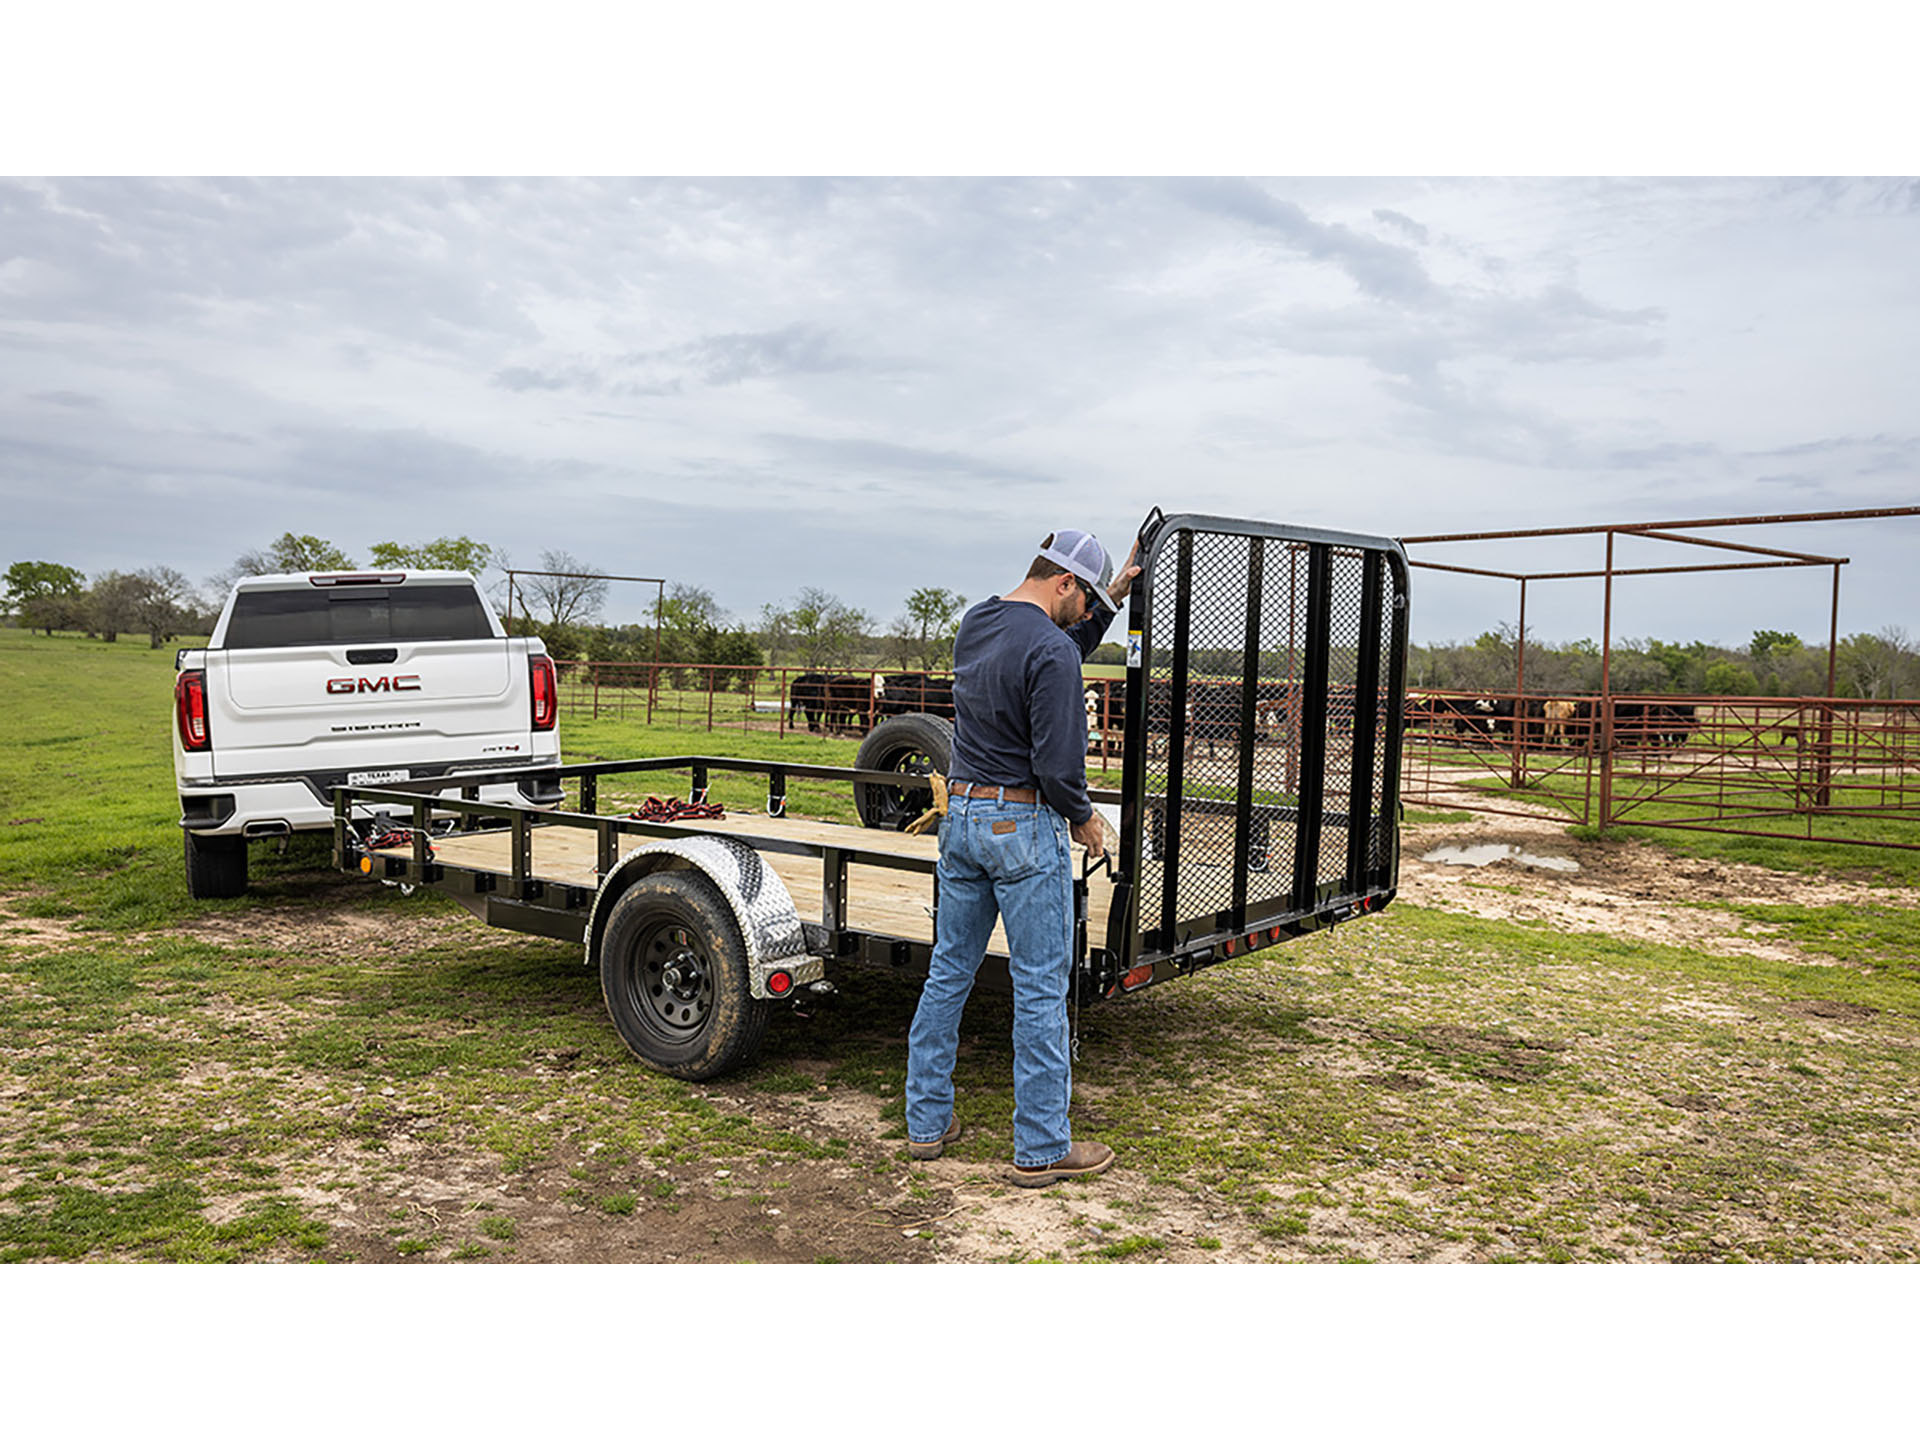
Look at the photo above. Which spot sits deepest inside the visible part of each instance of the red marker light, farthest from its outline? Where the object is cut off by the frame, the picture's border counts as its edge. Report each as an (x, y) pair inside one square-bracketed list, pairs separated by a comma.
[(779, 982)]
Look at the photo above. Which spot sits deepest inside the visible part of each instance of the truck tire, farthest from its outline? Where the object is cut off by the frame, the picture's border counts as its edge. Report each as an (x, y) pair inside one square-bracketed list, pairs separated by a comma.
[(912, 745), (216, 865), (673, 969)]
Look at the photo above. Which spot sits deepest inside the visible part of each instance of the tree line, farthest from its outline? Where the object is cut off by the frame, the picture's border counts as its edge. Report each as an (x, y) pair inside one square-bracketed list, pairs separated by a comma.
[(815, 630), (562, 602), (163, 604), (1880, 666)]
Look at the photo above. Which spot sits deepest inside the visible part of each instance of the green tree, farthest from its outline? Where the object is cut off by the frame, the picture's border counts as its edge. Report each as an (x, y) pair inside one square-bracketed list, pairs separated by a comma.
[(113, 605), (44, 595), (820, 627), (1685, 665), (934, 615), (1874, 667), (563, 641), (1729, 677), (449, 552), (163, 603), (292, 554)]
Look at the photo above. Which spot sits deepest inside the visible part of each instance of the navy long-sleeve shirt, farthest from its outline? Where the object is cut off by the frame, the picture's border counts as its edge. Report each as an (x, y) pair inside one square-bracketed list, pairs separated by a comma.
[(1019, 702)]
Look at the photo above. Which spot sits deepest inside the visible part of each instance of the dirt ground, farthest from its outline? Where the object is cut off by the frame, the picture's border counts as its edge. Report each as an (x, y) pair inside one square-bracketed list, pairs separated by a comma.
[(867, 1207), (1623, 888)]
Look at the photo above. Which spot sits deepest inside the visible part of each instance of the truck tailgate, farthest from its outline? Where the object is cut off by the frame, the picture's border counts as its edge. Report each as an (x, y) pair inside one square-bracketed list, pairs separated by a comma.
[(330, 707)]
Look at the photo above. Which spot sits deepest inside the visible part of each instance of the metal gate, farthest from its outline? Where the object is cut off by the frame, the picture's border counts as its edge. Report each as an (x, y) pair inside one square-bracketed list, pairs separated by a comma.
[(1265, 682)]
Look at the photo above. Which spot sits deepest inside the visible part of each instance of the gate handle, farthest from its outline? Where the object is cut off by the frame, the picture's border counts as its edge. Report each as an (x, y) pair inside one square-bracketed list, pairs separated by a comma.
[(1150, 527)]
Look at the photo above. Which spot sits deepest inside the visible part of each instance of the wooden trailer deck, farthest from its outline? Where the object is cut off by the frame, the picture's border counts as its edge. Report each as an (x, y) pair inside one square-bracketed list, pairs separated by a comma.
[(884, 901)]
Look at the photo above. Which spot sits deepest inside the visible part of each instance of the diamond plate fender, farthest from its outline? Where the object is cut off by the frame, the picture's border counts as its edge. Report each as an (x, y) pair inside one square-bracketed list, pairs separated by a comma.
[(769, 922)]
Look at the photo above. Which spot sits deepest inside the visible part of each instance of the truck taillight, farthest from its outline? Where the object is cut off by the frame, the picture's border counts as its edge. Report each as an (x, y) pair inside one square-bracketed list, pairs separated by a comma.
[(190, 709), (546, 693)]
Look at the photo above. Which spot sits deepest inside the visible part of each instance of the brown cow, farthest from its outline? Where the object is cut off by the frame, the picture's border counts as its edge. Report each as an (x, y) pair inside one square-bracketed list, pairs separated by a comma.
[(1558, 713)]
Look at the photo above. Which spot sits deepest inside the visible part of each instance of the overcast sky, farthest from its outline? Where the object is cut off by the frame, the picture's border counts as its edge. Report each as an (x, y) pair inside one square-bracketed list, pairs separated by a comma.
[(873, 385)]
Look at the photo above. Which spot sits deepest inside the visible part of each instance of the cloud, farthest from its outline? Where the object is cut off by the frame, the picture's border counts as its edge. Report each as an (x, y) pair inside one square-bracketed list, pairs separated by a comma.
[(1381, 270), (880, 459), (712, 361), (1405, 224)]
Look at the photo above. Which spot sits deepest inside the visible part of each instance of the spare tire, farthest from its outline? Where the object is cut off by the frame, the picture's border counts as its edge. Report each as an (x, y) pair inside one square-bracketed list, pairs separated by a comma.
[(912, 745)]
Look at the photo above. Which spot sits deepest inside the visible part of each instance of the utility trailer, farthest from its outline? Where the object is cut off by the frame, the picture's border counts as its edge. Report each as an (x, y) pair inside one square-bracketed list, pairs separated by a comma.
[(1259, 801)]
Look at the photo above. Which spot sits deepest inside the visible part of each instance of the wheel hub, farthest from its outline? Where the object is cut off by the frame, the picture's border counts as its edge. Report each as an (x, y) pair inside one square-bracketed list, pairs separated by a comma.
[(673, 981), (681, 974)]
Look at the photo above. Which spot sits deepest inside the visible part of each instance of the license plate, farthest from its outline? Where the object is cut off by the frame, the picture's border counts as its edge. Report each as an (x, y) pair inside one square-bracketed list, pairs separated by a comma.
[(377, 777)]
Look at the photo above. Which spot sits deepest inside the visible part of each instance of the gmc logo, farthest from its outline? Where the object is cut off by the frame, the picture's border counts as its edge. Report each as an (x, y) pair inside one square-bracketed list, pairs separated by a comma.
[(362, 685)]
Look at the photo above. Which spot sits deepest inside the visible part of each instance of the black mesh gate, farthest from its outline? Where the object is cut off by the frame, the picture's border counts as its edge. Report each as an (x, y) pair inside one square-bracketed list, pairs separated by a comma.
[(1264, 705)]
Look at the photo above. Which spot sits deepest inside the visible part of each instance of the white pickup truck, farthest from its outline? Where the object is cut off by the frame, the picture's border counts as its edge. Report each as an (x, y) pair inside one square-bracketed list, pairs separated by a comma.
[(349, 678)]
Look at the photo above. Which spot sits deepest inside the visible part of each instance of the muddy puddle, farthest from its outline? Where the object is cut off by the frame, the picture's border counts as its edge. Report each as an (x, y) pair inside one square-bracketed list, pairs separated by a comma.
[(1478, 855)]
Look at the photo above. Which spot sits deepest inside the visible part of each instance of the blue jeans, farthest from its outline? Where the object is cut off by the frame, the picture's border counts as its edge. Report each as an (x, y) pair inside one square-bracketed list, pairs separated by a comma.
[(1010, 861)]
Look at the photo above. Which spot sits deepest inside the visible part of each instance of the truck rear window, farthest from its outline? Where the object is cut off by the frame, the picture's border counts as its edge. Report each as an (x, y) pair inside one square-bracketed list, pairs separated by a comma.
[(269, 619)]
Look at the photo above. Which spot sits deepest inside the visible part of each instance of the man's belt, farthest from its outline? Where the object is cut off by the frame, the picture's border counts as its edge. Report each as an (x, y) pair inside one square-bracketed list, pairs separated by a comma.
[(1018, 794)]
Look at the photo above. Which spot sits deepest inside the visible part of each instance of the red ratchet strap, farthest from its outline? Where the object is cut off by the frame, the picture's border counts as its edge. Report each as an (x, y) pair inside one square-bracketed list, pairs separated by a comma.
[(658, 808), (392, 839)]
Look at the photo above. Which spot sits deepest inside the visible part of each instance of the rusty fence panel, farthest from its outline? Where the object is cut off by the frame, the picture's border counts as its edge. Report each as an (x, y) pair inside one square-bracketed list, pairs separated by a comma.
[(1501, 753), (1833, 771)]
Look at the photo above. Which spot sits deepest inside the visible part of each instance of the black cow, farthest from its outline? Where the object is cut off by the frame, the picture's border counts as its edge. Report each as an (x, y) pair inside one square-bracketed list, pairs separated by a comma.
[(808, 696), (1674, 725), (853, 699), (1213, 714), (914, 692), (1633, 724), (834, 702), (1464, 714)]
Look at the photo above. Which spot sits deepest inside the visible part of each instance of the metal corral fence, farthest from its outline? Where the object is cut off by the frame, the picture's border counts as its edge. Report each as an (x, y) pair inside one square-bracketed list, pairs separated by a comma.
[(1843, 772), (730, 697)]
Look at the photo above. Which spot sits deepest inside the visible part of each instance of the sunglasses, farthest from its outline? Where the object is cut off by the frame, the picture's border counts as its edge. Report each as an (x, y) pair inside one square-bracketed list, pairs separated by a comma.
[(1086, 592)]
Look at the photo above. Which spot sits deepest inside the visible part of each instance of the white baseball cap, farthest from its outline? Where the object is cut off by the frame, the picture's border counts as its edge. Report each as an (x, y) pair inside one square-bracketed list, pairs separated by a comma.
[(1080, 554)]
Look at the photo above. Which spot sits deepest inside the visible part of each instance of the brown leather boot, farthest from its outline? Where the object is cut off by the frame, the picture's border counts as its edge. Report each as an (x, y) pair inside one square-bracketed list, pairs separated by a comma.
[(1083, 1157), (932, 1149)]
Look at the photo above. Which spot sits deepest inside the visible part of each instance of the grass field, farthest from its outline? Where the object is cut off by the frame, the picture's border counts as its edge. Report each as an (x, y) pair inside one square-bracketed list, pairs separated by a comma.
[(326, 1069)]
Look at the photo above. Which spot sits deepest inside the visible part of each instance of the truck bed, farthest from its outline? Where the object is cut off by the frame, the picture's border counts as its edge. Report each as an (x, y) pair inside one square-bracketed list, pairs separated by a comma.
[(888, 902)]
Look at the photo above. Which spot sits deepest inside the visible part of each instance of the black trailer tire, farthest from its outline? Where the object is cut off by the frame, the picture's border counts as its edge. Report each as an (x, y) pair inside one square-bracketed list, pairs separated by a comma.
[(216, 865), (673, 969), (912, 745)]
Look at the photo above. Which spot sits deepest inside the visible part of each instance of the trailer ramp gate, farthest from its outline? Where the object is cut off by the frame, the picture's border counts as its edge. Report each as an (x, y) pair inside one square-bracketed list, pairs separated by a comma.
[(1265, 690)]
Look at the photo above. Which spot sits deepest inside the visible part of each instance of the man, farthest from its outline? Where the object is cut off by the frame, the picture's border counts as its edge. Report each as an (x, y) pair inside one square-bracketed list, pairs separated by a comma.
[(1017, 795)]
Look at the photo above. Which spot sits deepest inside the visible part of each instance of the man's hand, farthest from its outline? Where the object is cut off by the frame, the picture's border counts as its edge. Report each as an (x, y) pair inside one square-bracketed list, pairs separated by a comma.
[(1123, 582), (1092, 833)]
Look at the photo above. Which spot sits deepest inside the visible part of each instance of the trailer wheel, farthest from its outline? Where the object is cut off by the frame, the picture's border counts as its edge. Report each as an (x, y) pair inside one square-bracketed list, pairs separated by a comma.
[(216, 865), (673, 969), (912, 745)]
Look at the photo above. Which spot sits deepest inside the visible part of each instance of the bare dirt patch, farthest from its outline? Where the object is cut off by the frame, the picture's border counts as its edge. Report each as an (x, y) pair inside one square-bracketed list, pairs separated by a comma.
[(1621, 888), (327, 928), (410, 1203)]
